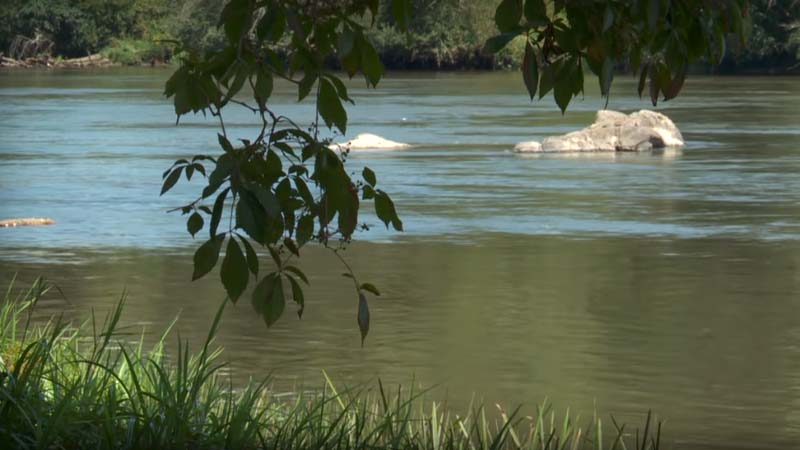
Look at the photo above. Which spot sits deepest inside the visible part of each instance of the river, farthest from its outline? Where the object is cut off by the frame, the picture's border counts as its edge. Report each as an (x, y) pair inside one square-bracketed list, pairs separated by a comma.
[(663, 280)]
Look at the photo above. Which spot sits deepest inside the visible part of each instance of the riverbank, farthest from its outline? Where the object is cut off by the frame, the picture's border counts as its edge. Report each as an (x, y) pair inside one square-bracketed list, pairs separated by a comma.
[(92, 386), (46, 61)]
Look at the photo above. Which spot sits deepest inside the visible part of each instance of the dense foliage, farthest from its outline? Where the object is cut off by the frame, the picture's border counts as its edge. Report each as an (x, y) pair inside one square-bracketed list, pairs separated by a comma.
[(445, 34)]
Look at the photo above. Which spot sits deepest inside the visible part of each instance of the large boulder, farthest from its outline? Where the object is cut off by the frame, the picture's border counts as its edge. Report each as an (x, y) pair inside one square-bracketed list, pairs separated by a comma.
[(614, 132), (367, 141)]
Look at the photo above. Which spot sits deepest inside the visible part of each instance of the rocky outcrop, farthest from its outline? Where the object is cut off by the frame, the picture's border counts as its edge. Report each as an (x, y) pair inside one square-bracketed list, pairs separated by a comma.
[(25, 222), (367, 141), (613, 132)]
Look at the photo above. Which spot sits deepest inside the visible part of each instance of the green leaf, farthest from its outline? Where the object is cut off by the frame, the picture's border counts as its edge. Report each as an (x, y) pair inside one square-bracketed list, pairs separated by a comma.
[(171, 180), (234, 272), (194, 224), (642, 80), (275, 256), (653, 7), (530, 70), (234, 18), (305, 193), (205, 258), (369, 176), (370, 63), (496, 43), (363, 317), (606, 76), (341, 89), (216, 213), (251, 218), (535, 11), (252, 256), (401, 12), (608, 19), (275, 303), (304, 88), (369, 287), (305, 229), (295, 270), (508, 14), (289, 243), (225, 143), (263, 87), (330, 106), (346, 41), (268, 298), (384, 208), (297, 295), (272, 26)]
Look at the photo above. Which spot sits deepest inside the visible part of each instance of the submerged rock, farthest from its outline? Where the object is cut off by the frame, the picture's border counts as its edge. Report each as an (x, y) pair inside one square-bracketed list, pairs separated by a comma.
[(614, 132), (368, 141)]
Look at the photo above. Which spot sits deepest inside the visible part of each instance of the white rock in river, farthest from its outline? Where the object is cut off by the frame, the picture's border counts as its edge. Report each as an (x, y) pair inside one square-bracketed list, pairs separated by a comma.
[(367, 141), (614, 132), (528, 146)]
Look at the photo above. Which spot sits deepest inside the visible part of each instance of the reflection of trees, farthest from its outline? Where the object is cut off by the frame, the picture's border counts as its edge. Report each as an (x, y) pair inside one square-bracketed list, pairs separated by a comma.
[(702, 331), (703, 328)]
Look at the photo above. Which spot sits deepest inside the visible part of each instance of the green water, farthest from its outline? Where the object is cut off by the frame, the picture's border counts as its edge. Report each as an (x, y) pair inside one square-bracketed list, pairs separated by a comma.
[(665, 281)]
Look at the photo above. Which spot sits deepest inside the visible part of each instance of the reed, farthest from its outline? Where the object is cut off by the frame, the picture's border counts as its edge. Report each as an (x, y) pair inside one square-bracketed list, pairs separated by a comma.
[(88, 385)]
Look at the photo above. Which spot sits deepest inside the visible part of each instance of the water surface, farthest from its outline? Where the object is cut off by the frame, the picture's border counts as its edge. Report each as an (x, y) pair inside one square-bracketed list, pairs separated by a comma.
[(664, 280)]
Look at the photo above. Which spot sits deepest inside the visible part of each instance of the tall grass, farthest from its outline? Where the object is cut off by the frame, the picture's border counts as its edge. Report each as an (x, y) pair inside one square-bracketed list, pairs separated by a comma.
[(88, 385)]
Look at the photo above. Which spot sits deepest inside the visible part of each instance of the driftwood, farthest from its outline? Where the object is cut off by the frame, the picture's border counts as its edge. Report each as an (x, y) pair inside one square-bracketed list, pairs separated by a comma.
[(96, 60), (27, 221)]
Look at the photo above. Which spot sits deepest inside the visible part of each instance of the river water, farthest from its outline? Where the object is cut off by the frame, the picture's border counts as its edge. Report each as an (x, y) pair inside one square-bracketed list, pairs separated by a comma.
[(665, 280)]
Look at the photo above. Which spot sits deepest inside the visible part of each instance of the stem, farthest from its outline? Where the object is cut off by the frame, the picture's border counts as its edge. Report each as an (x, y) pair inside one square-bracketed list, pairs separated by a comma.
[(347, 266)]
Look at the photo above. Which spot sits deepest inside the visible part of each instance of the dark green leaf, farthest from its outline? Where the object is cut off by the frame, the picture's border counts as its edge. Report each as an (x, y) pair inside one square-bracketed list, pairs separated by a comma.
[(346, 41), (401, 12), (363, 317), (369, 287), (194, 224), (205, 258), (268, 298), (535, 11), (497, 43), (263, 87), (289, 243), (330, 106), (370, 63), (234, 272), (304, 88), (225, 143), (234, 19), (384, 208), (606, 76), (275, 303), (297, 295), (642, 80), (295, 270), (171, 180), (305, 229), (216, 214), (369, 176), (251, 218), (252, 256), (508, 14), (275, 256), (608, 19), (530, 70)]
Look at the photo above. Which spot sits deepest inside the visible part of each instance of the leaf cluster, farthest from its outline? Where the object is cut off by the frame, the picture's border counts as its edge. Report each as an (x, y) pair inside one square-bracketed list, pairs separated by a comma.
[(284, 187), (657, 39)]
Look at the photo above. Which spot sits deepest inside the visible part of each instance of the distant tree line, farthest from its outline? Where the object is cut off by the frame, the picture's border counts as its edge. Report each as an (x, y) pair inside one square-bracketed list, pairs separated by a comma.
[(445, 34)]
